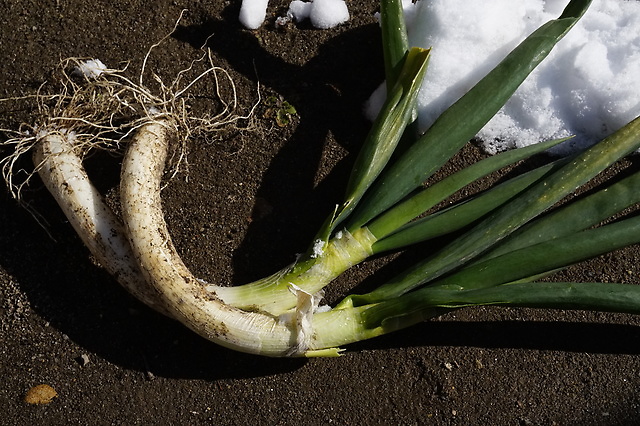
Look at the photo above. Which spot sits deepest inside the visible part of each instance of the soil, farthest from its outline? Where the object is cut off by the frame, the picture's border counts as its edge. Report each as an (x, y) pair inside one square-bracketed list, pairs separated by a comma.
[(249, 200)]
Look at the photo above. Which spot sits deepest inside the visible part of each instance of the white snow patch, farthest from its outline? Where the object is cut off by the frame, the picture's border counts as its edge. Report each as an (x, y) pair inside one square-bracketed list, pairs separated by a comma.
[(328, 13), (299, 10), (318, 248), (90, 69), (323, 14), (587, 86), (253, 12)]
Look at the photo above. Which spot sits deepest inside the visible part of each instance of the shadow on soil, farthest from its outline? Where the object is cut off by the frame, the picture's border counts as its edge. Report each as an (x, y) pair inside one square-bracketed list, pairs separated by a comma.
[(328, 92), (537, 335), (81, 301)]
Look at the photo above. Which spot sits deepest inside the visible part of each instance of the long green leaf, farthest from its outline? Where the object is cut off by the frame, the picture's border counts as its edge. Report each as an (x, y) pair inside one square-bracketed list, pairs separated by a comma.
[(427, 198), (417, 306), (386, 130), (546, 256), (513, 215), (575, 216), (604, 297), (395, 43), (463, 214), (458, 124)]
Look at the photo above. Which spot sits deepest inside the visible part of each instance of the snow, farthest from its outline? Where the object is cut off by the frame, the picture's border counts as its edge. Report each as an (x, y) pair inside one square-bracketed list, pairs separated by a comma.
[(299, 10), (588, 86), (326, 14), (253, 12), (323, 14), (90, 69), (318, 248)]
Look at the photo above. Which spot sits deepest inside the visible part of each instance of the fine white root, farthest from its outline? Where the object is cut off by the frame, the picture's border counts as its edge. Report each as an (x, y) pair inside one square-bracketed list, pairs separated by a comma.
[(94, 107), (102, 107), (61, 170), (190, 301)]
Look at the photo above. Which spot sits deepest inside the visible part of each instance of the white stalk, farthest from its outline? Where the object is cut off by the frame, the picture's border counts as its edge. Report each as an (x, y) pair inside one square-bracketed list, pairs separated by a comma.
[(173, 290), (272, 294), (61, 170), (190, 301)]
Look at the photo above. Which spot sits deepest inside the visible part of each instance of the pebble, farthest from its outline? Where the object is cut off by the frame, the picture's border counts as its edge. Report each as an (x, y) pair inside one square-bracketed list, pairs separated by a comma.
[(40, 394), (83, 359)]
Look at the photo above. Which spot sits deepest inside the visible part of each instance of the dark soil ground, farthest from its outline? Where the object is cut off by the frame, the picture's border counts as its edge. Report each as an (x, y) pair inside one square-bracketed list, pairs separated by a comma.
[(253, 198)]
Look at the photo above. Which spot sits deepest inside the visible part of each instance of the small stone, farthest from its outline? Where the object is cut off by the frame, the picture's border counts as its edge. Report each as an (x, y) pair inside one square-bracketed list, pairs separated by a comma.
[(83, 360), (40, 394)]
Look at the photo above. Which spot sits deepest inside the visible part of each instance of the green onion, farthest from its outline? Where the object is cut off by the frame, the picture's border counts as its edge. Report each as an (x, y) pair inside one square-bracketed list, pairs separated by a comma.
[(499, 240)]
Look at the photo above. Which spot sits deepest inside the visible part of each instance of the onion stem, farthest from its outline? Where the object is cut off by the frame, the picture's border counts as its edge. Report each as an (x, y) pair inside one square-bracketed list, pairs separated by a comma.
[(62, 172), (197, 306)]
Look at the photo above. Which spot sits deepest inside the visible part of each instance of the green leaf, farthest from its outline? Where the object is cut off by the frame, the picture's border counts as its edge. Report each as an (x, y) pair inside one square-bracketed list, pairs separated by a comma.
[(417, 306), (424, 200), (576, 216), (458, 124), (395, 43), (547, 256), (513, 215), (463, 214), (386, 130), (603, 297)]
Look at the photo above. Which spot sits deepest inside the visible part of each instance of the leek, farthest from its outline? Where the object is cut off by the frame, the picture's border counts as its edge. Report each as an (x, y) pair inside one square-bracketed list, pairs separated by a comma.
[(384, 209)]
